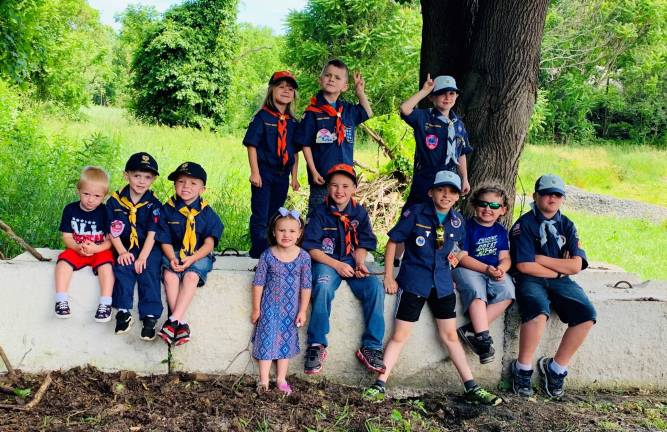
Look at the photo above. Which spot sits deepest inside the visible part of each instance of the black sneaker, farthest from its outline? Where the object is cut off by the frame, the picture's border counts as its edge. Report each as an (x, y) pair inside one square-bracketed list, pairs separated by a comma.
[(103, 313), (485, 349), (148, 330), (62, 309), (168, 331), (468, 337), (372, 359), (552, 383), (182, 334), (521, 381), (123, 322), (314, 359)]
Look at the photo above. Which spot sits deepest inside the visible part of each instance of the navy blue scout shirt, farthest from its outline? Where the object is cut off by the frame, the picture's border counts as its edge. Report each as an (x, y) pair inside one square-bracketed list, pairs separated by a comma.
[(326, 233), (431, 141), (171, 227), (318, 131), (147, 217), (423, 266), (262, 134), (84, 225), (485, 243), (525, 239)]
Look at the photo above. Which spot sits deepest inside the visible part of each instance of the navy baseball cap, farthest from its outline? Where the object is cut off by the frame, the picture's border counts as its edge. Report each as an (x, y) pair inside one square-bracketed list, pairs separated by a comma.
[(444, 83), (550, 183), (142, 161), (191, 169), (447, 178)]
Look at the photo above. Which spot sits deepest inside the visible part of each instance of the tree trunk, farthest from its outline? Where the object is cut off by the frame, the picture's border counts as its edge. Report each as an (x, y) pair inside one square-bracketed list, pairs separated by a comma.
[(492, 48)]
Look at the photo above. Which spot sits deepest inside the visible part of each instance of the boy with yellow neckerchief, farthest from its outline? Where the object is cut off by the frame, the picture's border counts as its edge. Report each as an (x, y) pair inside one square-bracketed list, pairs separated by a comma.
[(134, 213), (189, 229)]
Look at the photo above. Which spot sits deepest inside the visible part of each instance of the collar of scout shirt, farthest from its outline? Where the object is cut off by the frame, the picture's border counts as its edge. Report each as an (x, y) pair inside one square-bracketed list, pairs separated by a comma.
[(451, 133), (547, 225), (430, 210), (190, 236)]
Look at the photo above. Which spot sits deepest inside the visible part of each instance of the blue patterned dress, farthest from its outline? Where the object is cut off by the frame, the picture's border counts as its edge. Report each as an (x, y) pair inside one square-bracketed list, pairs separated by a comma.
[(276, 335)]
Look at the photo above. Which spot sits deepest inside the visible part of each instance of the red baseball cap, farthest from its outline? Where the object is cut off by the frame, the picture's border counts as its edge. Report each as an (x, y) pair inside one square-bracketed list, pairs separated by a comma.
[(344, 169), (283, 76)]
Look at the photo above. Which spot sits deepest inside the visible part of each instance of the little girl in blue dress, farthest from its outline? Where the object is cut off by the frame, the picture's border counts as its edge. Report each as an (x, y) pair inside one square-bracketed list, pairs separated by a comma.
[(280, 297)]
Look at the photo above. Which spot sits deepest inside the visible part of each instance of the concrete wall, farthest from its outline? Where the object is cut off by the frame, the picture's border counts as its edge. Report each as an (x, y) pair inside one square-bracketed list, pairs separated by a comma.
[(623, 350)]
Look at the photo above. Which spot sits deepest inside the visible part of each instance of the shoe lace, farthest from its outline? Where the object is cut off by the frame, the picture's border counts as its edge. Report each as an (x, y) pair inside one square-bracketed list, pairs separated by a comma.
[(483, 394), (523, 378), (312, 352), (556, 380), (102, 309), (62, 306)]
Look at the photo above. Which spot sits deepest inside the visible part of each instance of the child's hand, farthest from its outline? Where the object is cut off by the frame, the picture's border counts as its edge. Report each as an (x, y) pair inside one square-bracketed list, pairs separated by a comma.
[(187, 262), (140, 265), (359, 84), (301, 319), (465, 187), (175, 265), (428, 85), (345, 270), (88, 248), (390, 284), (361, 271), (254, 316), (318, 179), (295, 184), (256, 179), (125, 258)]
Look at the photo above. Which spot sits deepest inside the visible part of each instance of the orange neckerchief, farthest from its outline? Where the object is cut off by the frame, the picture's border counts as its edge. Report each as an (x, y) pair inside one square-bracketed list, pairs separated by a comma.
[(281, 144), (351, 239), (328, 109)]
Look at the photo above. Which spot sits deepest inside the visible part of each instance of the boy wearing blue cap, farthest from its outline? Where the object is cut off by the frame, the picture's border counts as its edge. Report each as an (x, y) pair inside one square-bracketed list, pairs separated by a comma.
[(432, 233), (545, 251), (188, 231), (326, 132), (134, 213), (338, 237)]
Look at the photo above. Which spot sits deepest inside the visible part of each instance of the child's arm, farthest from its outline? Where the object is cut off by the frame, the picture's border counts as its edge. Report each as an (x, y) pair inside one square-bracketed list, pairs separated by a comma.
[(140, 263), (359, 89), (92, 248), (390, 285), (257, 291), (124, 257), (409, 105), (295, 173), (204, 250), (463, 172), (68, 239), (360, 269), (168, 251), (474, 264), (255, 177), (345, 270), (563, 266), (310, 163), (304, 301), (532, 268)]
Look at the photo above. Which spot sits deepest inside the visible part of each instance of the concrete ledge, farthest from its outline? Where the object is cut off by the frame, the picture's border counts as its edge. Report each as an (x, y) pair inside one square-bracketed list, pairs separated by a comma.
[(625, 347)]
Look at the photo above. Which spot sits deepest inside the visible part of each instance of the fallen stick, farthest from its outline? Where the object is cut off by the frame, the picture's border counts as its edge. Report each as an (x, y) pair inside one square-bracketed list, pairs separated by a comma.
[(8, 230), (5, 360), (38, 396)]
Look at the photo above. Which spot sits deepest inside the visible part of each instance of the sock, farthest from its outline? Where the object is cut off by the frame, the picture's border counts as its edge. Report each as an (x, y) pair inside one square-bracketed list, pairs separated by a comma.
[(60, 297), (556, 368), (171, 318), (523, 367), (122, 310), (106, 301), (181, 322), (482, 335), (379, 383), (469, 385)]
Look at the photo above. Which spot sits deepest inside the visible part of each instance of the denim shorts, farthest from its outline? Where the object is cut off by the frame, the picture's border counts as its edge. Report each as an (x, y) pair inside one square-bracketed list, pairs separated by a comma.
[(536, 296), (472, 285), (202, 267)]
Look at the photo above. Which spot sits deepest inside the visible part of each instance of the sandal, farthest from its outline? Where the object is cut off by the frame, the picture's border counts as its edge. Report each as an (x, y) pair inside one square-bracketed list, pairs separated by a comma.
[(261, 388), (285, 388)]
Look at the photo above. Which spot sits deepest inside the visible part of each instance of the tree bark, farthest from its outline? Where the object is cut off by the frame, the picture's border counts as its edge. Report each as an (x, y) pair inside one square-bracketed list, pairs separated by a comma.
[(492, 48)]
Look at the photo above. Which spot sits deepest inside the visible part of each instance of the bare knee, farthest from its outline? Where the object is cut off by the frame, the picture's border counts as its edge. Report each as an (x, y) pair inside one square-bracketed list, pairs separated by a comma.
[(191, 278), (449, 336)]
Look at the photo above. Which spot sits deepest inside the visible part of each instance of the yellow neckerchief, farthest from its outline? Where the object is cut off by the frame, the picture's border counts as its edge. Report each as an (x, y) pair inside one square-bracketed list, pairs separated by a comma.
[(125, 202), (190, 237)]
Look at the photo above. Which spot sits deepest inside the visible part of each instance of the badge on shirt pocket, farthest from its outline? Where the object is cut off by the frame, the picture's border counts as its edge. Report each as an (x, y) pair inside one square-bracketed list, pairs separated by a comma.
[(324, 136), (349, 134), (431, 141), (327, 245), (420, 241), (117, 228), (456, 222)]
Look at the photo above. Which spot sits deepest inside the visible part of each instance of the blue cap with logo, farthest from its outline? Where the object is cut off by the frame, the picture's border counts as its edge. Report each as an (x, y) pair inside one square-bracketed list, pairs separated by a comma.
[(190, 169), (447, 178), (142, 161), (550, 183), (444, 83)]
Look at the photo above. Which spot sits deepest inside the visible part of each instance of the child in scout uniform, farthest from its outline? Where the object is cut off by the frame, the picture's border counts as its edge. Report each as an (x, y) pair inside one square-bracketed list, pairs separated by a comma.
[(188, 231), (338, 237), (326, 132), (432, 232), (134, 213), (481, 279), (545, 251), (85, 226), (272, 156)]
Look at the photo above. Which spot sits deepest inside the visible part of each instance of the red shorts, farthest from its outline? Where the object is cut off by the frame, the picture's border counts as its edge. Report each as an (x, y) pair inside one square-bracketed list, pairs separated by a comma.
[(79, 261)]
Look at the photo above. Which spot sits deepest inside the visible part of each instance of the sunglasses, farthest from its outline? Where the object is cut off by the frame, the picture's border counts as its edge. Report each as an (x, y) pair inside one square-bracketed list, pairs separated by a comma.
[(556, 194), (490, 204), (439, 236)]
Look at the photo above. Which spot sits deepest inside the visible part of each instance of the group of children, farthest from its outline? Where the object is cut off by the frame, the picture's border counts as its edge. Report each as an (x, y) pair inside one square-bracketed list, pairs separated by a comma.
[(303, 263)]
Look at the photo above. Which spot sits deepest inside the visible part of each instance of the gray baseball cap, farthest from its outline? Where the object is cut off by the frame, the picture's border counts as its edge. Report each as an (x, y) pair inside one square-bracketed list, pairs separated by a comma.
[(444, 83), (550, 183), (447, 178)]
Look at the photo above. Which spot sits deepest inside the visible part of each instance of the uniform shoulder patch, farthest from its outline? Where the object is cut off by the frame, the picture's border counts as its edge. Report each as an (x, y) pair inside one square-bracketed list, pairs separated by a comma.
[(516, 229)]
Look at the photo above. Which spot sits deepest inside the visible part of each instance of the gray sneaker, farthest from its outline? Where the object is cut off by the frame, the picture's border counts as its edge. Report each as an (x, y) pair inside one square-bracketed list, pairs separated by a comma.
[(521, 381), (552, 383), (314, 358)]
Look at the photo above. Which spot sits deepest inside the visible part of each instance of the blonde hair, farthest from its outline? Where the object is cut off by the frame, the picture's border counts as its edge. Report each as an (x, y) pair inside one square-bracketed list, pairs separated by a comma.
[(491, 187), (268, 100), (93, 174)]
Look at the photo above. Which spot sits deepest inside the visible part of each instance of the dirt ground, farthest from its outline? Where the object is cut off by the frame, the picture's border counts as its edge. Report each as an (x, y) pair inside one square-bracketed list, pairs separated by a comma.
[(89, 400)]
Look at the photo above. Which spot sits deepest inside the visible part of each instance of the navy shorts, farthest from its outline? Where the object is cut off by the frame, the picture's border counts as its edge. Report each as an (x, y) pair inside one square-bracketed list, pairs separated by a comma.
[(410, 305), (201, 267), (536, 296)]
